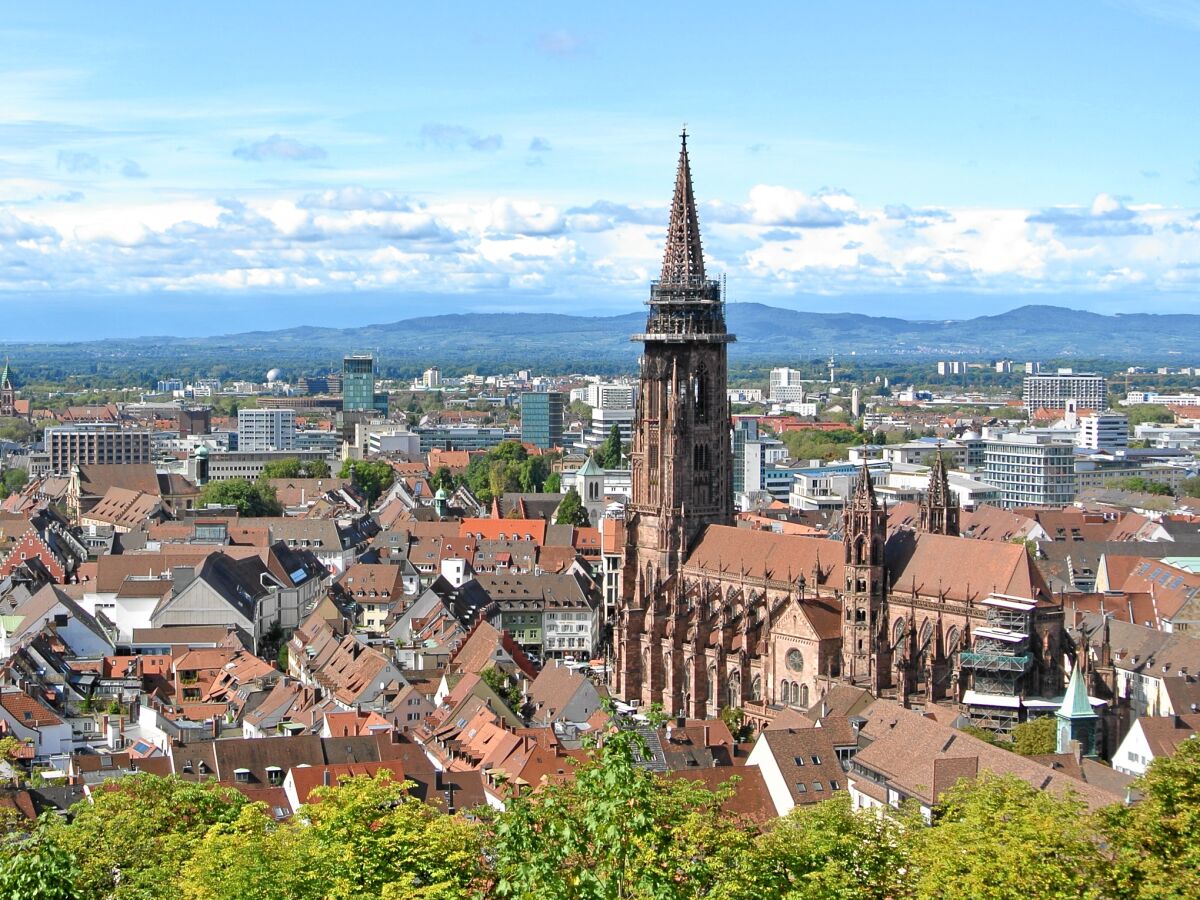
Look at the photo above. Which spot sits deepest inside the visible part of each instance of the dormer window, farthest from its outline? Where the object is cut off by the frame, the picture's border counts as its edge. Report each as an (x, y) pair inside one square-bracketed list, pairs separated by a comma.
[(274, 775), (241, 776)]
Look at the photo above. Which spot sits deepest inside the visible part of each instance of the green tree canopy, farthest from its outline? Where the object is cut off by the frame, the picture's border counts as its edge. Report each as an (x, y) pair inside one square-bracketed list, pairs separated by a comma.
[(1036, 737), (292, 467), (617, 830), (13, 480), (373, 478), (507, 467), (252, 498), (1148, 412), (571, 511), (1155, 843), (608, 454), (1000, 837), (145, 829), (1141, 485)]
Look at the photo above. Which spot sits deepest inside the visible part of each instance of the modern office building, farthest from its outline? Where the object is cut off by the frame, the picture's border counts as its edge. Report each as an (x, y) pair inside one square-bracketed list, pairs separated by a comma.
[(1031, 469), (264, 430), (1104, 431), (542, 419), (1052, 390), (752, 455), (96, 443), (358, 384), (786, 386), (464, 437), (610, 395), (249, 465)]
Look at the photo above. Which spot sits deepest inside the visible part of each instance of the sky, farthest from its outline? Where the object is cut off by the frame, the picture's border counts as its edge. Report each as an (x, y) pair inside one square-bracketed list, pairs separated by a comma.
[(190, 169)]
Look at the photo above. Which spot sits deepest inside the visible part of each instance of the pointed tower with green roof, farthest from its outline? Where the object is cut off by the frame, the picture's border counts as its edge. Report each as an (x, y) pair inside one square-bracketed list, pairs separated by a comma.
[(8, 393), (1077, 721)]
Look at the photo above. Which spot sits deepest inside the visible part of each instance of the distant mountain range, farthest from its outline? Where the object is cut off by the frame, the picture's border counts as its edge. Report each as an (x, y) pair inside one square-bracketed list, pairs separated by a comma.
[(499, 341)]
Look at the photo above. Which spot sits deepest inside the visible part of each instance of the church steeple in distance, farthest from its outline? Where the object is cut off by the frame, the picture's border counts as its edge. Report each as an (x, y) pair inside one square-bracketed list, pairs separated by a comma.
[(939, 508)]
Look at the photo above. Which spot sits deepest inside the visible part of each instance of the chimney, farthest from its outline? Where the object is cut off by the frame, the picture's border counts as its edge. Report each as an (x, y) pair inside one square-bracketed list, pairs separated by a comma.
[(706, 735), (326, 778)]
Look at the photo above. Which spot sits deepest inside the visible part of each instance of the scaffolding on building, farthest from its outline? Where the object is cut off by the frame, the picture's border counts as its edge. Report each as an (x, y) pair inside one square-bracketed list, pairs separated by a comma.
[(998, 662)]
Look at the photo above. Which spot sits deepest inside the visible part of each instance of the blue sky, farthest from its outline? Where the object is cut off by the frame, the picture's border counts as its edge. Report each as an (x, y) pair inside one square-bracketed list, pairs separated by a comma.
[(251, 165)]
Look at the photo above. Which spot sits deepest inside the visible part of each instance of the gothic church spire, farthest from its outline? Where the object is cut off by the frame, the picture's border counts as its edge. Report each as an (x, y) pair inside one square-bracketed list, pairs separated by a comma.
[(683, 261)]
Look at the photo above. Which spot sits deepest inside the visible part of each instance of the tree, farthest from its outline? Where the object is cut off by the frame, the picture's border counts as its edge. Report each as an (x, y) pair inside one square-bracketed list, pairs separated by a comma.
[(1148, 412), (1000, 837), (253, 856), (1154, 845), (499, 682), (1189, 487), (553, 483), (145, 829), (1141, 485), (826, 850), (369, 837), (735, 721), (372, 478), (571, 511), (608, 454), (13, 480), (19, 431), (616, 830), (442, 479), (38, 869), (252, 498), (291, 467), (1037, 736)]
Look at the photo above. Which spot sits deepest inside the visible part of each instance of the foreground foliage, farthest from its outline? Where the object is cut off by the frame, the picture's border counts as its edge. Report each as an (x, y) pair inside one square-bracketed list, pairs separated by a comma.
[(615, 831)]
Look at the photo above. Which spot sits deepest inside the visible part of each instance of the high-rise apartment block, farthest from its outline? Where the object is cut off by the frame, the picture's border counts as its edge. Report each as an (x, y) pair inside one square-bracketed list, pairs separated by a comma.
[(1052, 391), (542, 419), (262, 430), (1031, 469), (1104, 431), (97, 443)]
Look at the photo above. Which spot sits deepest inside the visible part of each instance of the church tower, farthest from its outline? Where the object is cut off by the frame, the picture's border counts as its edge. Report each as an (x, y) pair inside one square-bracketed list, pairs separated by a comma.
[(939, 507), (8, 394), (681, 458), (866, 651)]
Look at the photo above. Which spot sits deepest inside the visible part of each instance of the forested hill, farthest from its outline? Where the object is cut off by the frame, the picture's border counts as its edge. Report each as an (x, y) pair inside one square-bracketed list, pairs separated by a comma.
[(555, 342)]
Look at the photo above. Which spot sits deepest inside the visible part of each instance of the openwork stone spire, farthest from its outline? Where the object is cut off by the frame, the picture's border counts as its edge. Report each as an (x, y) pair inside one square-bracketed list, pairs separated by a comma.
[(939, 507), (683, 261)]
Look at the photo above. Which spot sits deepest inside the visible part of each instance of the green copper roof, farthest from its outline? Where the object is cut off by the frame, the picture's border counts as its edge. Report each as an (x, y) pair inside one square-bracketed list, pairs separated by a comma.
[(1076, 704), (589, 467)]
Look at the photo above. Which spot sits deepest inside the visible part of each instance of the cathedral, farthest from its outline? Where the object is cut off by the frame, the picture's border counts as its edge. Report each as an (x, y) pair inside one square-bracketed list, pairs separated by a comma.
[(714, 616)]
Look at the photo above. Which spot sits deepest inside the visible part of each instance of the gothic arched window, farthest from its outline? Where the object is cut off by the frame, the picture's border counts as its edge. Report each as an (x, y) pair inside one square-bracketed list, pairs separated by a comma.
[(804, 695), (756, 688), (953, 637), (898, 631)]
